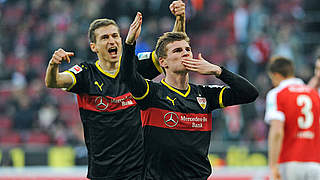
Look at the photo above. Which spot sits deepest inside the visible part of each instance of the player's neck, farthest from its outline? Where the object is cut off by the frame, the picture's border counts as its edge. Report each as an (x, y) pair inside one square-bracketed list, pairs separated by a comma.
[(286, 78), (108, 66), (178, 81)]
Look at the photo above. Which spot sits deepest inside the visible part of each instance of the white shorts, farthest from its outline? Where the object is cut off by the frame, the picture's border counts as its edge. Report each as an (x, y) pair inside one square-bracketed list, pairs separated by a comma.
[(300, 171)]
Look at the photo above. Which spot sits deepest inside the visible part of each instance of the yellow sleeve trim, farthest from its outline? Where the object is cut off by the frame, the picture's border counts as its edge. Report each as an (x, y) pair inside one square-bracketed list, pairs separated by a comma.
[(155, 62), (73, 78), (220, 97), (145, 94)]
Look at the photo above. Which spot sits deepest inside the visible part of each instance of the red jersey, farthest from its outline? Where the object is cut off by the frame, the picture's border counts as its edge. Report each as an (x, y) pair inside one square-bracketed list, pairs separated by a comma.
[(298, 107)]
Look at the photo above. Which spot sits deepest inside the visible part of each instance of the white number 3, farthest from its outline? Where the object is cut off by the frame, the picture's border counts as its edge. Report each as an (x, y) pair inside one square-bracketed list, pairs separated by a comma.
[(306, 103)]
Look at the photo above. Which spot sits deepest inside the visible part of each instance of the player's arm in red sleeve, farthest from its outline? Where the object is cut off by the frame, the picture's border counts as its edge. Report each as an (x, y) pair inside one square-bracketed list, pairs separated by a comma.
[(54, 78), (275, 137)]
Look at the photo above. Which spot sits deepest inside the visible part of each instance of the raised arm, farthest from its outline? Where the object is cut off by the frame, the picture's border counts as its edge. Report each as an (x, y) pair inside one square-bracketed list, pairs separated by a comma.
[(240, 91), (148, 65), (55, 79), (177, 8), (134, 81)]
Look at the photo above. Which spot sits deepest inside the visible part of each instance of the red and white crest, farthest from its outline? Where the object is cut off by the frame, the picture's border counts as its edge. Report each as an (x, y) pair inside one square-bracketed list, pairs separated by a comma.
[(202, 102)]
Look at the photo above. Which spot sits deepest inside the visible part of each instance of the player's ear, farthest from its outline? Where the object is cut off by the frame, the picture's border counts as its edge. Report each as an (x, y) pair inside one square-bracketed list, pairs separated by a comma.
[(163, 62), (93, 47), (277, 75)]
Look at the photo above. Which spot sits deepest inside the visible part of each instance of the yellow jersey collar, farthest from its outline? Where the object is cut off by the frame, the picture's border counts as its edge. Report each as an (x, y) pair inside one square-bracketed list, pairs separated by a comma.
[(176, 90), (106, 73)]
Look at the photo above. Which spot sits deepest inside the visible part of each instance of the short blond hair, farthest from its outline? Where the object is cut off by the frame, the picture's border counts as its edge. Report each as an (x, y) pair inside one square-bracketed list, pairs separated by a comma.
[(166, 38), (97, 24)]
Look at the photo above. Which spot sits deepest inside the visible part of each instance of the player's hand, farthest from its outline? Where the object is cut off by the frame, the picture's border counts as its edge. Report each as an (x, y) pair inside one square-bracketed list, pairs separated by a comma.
[(60, 55), (177, 8), (201, 66), (135, 29), (275, 174)]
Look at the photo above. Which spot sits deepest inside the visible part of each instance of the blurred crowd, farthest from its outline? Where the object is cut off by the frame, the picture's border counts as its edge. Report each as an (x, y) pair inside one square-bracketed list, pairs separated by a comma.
[(238, 34)]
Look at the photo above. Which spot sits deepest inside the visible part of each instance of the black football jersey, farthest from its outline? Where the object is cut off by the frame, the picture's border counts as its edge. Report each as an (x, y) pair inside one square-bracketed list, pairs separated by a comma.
[(177, 123), (111, 120), (177, 129)]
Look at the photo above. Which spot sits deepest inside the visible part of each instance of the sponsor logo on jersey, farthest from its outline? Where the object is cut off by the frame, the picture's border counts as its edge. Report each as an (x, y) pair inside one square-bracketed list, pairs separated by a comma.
[(171, 119), (305, 134), (105, 103), (202, 102), (101, 103), (75, 69), (176, 120), (300, 89), (144, 55)]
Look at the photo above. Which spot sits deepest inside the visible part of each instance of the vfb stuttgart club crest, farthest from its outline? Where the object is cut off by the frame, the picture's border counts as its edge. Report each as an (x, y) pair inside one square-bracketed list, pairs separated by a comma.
[(171, 119), (101, 103), (202, 102)]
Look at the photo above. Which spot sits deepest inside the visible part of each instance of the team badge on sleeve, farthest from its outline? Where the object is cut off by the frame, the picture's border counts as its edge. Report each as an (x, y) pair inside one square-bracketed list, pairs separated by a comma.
[(75, 69), (202, 102), (144, 55)]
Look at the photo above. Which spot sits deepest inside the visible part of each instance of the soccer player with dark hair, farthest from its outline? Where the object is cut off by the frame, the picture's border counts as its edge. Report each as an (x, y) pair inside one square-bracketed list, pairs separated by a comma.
[(176, 115), (293, 111), (110, 117)]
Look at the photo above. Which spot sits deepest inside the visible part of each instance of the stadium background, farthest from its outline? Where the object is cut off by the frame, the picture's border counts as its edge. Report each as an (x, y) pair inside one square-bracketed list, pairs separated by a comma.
[(40, 128)]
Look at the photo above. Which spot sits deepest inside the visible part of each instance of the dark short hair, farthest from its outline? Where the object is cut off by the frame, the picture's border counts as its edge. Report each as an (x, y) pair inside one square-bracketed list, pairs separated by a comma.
[(97, 24), (281, 65)]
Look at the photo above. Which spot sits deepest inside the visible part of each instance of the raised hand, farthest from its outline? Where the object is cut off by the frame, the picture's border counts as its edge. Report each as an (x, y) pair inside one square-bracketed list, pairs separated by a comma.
[(177, 8), (135, 29), (201, 66), (59, 56)]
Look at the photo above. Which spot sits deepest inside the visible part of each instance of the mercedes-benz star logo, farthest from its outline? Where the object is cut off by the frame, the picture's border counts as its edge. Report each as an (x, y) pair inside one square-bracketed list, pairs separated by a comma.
[(101, 103), (171, 119)]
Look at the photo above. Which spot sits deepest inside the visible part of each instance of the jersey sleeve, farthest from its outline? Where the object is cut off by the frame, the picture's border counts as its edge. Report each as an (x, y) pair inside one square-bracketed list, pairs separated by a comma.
[(238, 91), (147, 65), (78, 73), (137, 85), (272, 112), (146, 100), (214, 94)]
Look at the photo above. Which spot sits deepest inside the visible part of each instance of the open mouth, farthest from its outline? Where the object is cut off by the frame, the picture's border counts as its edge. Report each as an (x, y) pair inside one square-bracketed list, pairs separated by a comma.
[(113, 50)]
